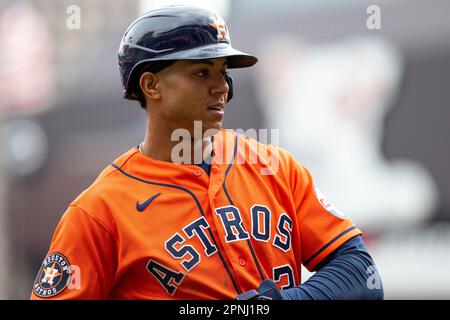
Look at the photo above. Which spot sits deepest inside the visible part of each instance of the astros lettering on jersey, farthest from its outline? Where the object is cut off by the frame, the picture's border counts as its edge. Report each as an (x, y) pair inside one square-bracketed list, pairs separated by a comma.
[(148, 229)]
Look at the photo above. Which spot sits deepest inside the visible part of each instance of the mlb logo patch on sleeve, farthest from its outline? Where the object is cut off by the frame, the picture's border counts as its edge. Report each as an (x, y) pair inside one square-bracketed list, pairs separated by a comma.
[(53, 276), (328, 206)]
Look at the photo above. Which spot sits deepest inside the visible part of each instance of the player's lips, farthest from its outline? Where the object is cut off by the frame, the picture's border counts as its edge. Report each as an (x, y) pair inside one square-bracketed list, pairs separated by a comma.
[(218, 106), (216, 109)]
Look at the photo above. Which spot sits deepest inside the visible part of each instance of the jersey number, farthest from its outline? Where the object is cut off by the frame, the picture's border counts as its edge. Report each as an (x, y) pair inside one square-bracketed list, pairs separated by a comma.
[(284, 270)]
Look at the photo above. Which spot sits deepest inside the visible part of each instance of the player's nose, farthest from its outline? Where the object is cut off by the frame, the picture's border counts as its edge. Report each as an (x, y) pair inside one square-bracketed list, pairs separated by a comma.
[(219, 86)]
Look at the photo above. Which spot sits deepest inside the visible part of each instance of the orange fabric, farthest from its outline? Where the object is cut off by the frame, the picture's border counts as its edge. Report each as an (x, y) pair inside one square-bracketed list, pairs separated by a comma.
[(182, 245)]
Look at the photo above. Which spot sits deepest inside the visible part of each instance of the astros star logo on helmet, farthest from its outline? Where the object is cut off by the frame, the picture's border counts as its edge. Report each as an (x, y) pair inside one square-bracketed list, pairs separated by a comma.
[(221, 27)]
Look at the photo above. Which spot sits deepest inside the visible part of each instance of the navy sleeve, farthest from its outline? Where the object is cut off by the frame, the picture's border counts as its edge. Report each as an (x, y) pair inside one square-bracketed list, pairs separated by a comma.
[(348, 273)]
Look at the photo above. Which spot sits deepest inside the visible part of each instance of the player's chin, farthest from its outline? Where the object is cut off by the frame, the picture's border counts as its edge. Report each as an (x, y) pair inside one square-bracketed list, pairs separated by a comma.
[(211, 128), (212, 124)]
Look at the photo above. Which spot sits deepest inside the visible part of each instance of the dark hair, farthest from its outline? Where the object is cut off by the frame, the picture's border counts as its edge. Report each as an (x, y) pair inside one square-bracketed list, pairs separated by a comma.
[(154, 67)]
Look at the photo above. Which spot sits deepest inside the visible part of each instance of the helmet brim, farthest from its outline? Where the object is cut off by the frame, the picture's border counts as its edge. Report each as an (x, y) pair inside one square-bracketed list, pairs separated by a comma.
[(235, 58)]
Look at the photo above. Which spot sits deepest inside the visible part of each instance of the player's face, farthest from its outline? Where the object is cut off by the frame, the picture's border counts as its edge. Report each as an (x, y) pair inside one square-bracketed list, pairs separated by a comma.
[(194, 91)]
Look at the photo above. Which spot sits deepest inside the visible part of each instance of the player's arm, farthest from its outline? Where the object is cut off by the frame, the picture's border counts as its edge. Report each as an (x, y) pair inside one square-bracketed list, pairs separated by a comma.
[(81, 260), (349, 273)]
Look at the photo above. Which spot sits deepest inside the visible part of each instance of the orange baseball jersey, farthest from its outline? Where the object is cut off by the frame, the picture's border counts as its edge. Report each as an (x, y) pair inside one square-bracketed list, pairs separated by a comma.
[(148, 229)]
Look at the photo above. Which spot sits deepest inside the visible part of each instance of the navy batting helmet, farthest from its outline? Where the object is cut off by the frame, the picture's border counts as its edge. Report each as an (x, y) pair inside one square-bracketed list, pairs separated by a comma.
[(175, 33)]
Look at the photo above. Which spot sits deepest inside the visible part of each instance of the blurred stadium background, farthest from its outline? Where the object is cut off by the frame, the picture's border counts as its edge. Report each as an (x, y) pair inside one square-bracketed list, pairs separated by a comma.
[(367, 110)]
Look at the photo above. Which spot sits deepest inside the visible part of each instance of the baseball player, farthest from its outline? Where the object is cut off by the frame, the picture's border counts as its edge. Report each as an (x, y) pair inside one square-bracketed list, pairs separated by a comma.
[(153, 227)]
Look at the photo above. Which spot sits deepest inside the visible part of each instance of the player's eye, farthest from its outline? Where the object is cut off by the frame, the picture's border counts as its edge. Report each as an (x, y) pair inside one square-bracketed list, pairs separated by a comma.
[(202, 73), (205, 73)]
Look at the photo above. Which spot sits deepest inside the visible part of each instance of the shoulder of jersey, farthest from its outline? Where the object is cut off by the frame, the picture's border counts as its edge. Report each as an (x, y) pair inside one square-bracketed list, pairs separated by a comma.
[(105, 183)]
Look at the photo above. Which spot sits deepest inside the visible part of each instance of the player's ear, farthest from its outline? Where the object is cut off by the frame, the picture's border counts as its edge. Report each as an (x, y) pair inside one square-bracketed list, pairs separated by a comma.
[(148, 83)]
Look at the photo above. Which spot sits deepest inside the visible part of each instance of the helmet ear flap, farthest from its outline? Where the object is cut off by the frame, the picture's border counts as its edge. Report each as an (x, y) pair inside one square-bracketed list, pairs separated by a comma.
[(229, 81)]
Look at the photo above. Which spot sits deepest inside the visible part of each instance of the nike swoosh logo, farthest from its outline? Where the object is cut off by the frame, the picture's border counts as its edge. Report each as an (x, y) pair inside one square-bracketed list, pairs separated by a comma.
[(141, 207)]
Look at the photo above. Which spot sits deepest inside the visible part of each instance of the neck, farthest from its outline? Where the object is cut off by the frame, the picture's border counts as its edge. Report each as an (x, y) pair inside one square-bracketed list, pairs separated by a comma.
[(158, 145)]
